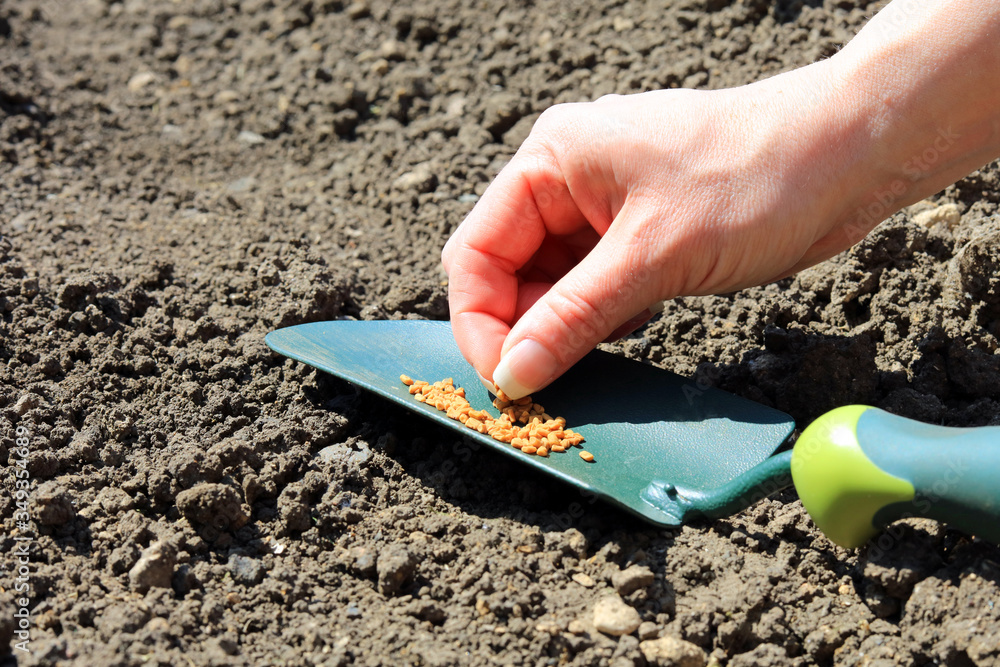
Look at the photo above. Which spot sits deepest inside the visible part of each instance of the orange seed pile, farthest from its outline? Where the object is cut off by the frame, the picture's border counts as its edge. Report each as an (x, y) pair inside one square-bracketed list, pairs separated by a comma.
[(522, 423)]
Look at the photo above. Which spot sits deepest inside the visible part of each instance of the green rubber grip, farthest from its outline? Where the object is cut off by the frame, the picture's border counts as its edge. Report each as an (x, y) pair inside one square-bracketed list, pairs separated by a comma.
[(858, 469)]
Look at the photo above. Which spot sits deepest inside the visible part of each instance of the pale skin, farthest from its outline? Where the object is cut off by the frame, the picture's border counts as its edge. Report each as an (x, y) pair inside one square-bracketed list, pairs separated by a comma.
[(611, 206)]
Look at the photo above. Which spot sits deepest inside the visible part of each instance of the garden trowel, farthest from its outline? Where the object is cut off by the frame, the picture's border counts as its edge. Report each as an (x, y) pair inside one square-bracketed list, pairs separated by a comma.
[(671, 450)]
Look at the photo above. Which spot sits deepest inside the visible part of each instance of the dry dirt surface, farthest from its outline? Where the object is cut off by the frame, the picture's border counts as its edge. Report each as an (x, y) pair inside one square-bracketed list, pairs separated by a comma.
[(179, 177)]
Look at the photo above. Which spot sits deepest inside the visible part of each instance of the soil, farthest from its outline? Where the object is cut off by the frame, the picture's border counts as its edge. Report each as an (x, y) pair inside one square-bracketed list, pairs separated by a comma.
[(180, 177)]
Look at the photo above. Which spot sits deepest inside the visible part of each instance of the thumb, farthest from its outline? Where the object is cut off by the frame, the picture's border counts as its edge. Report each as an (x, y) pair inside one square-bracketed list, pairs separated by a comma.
[(609, 287)]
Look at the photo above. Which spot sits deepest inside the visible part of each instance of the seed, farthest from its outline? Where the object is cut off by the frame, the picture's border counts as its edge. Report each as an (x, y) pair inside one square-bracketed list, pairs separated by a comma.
[(587, 456), (540, 434)]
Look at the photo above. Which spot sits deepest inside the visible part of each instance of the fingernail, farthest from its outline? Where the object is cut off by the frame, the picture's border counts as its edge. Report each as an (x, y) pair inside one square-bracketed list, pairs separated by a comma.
[(486, 383), (527, 367)]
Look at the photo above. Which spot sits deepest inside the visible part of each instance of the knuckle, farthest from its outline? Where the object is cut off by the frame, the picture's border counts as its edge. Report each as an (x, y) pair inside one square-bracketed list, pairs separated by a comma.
[(555, 122), (583, 321)]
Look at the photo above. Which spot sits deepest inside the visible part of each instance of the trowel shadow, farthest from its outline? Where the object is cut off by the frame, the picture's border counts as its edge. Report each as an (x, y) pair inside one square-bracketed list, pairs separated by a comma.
[(606, 388), (485, 482)]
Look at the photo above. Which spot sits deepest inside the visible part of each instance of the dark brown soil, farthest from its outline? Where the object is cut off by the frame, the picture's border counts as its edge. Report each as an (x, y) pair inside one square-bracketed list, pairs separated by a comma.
[(179, 177)]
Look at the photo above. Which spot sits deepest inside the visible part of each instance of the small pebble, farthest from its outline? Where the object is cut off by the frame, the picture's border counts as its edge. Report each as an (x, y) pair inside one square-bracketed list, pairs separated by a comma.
[(25, 403), (583, 579), (171, 132), (547, 628), (250, 138), (648, 630), (632, 579), (621, 24), (946, 215), (226, 96), (672, 652), (392, 49), (421, 179), (154, 568), (140, 81), (613, 617)]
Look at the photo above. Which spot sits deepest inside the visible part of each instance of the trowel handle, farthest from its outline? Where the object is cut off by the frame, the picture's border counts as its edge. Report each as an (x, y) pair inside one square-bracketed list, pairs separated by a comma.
[(858, 469)]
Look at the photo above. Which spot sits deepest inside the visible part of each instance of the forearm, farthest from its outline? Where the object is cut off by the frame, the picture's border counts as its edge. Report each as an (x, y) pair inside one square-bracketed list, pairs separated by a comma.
[(926, 77)]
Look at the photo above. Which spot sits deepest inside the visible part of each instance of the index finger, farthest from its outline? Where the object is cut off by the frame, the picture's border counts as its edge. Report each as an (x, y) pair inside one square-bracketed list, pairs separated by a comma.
[(527, 200)]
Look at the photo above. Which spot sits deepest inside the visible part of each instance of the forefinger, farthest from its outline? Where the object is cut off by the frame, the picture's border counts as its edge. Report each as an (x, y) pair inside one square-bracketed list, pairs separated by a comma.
[(528, 199)]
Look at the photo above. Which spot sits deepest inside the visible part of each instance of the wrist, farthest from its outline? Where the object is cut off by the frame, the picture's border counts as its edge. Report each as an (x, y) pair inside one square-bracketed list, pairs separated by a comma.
[(919, 82)]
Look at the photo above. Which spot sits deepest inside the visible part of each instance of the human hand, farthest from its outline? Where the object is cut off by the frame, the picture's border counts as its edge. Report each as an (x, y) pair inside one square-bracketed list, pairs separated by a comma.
[(614, 205)]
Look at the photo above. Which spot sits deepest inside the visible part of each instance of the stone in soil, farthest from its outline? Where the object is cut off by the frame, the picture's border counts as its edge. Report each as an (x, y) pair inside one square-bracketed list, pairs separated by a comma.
[(155, 567), (632, 579), (613, 616), (672, 652)]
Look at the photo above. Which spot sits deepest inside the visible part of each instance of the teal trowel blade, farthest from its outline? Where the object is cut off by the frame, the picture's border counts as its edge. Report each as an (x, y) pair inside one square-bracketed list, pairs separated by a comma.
[(646, 427)]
